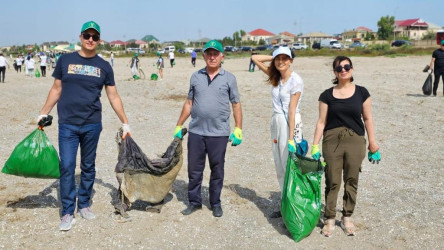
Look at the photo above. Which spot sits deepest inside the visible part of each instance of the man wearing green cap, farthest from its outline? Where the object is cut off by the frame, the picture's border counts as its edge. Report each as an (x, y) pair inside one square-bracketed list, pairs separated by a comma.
[(79, 80), (437, 65), (211, 91)]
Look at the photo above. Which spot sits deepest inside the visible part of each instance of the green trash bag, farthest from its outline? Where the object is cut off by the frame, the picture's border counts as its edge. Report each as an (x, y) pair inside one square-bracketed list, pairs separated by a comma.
[(35, 157), (301, 197), (154, 77), (37, 73)]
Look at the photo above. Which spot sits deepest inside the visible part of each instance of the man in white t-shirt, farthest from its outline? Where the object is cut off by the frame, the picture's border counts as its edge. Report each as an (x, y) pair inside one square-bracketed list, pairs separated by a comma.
[(171, 55), (3, 63)]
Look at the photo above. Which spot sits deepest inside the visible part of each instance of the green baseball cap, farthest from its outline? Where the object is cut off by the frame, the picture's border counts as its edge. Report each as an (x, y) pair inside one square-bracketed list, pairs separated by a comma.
[(442, 42), (90, 25), (214, 44)]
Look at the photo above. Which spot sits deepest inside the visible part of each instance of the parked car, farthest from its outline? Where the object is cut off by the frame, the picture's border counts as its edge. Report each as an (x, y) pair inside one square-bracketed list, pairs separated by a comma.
[(181, 51), (330, 43), (357, 44), (298, 46), (316, 45), (198, 49), (246, 48), (135, 50), (160, 51), (399, 43), (230, 49), (189, 49), (261, 47)]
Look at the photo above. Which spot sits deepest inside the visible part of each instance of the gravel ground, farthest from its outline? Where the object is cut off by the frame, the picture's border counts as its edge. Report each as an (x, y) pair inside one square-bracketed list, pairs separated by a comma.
[(400, 202)]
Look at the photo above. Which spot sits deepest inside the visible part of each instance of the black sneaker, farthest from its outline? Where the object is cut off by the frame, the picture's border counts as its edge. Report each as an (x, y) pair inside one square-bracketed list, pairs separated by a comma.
[(191, 209), (217, 211)]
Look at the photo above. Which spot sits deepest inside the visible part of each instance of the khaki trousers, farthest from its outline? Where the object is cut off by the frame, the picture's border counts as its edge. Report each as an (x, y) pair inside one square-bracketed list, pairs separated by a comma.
[(343, 151)]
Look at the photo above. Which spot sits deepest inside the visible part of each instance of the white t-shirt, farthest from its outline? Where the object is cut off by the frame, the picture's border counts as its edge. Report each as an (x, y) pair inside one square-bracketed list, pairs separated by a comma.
[(3, 62), (293, 85), (171, 54), (43, 60), (29, 63), (19, 61)]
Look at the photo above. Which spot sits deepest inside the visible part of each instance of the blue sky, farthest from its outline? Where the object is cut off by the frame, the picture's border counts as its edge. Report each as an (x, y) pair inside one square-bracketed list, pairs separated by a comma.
[(28, 22)]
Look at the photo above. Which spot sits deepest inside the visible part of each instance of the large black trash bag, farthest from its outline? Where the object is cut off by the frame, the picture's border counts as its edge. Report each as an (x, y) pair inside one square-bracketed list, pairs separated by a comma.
[(427, 87), (132, 158), (141, 178)]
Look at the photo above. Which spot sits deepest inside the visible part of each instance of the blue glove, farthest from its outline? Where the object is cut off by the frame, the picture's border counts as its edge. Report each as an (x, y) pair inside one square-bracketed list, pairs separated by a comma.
[(315, 152), (291, 146), (374, 157), (236, 136), (178, 132)]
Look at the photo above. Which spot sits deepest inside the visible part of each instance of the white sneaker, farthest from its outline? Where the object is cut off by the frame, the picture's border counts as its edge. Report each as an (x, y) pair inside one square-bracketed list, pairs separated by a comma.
[(67, 222), (86, 213)]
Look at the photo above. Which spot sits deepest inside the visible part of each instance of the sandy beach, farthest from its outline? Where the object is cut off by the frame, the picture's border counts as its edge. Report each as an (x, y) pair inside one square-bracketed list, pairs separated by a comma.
[(400, 201)]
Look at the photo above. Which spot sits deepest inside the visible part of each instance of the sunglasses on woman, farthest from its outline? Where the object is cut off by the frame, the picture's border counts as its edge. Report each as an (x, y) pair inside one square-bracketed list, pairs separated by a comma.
[(339, 68), (86, 36)]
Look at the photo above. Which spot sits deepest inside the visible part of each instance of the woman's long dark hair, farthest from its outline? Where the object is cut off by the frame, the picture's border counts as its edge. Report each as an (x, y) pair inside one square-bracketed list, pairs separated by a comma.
[(338, 61)]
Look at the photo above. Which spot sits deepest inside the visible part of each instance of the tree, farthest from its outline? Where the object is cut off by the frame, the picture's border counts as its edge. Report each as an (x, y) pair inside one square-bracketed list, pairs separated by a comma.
[(369, 36), (386, 26), (227, 41), (430, 35)]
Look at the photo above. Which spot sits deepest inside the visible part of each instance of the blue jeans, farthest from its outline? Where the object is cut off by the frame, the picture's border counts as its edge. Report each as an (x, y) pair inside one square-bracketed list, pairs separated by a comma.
[(70, 137)]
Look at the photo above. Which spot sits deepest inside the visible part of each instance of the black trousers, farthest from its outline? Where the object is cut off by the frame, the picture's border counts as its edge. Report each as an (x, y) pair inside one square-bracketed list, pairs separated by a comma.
[(198, 148), (438, 73), (43, 69), (2, 73)]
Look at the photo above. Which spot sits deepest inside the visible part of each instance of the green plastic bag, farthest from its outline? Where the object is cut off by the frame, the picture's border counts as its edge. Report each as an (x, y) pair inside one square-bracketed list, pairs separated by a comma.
[(154, 77), (35, 157), (37, 73), (301, 197)]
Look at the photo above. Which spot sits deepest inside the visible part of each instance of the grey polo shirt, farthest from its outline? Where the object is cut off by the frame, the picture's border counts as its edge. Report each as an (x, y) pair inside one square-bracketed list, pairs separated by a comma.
[(210, 113)]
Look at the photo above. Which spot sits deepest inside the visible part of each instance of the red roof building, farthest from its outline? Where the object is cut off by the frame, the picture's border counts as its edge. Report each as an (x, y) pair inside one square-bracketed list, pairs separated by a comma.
[(118, 43), (411, 28), (257, 35)]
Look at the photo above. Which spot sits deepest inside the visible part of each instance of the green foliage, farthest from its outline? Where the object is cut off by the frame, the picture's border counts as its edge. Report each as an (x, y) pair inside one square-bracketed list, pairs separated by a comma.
[(226, 41), (369, 36), (379, 47), (386, 26), (261, 41), (429, 36), (179, 45)]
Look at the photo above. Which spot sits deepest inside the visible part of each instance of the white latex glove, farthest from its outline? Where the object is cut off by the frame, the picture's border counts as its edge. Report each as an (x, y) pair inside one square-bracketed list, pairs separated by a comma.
[(40, 117), (429, 71), (126, 130)]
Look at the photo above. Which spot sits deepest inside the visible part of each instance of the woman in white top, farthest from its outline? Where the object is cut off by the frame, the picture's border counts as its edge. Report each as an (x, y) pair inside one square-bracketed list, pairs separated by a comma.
[(29, 63), (286, 94)]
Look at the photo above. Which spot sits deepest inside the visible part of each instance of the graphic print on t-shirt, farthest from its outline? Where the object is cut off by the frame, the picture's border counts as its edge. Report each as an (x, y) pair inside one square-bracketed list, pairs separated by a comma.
[(86, 70)]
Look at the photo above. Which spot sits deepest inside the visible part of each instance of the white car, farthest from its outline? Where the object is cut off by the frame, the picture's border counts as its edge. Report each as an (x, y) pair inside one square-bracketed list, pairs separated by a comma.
[(189, 50), (299, 46)]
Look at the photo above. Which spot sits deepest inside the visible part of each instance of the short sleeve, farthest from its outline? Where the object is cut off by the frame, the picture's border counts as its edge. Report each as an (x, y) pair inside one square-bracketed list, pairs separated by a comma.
[(297, 84), (324, 97), (364, 93), (234, 93), (57, 74)]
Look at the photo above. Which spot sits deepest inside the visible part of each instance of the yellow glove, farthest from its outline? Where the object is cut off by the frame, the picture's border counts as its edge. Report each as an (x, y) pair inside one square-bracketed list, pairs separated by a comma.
[(291, 146), (178, 132), (236, 136), (315, 152)]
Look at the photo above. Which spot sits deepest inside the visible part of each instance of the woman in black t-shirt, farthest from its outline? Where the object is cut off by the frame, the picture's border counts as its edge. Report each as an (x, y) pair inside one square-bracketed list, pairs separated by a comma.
[(344, 115)]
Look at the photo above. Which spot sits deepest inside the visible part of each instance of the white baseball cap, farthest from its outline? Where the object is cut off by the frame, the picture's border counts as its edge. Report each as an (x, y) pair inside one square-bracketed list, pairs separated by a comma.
[(282, 50)]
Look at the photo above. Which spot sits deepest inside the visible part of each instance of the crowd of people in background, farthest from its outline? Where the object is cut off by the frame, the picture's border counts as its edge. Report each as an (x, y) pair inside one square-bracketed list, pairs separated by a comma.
[(28, 62)]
